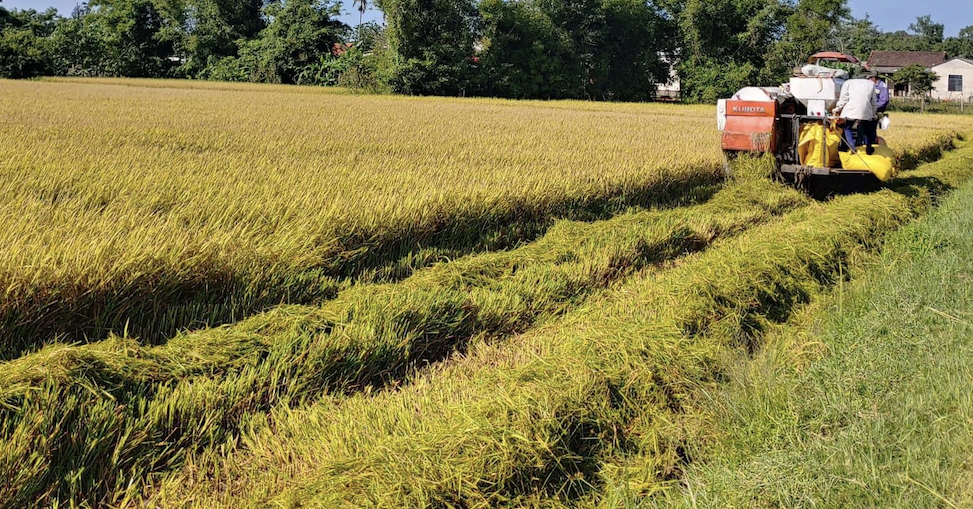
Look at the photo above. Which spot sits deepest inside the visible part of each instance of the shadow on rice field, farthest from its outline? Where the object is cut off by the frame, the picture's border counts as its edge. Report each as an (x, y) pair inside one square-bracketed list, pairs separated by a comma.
[(153, 307), (148, 399)]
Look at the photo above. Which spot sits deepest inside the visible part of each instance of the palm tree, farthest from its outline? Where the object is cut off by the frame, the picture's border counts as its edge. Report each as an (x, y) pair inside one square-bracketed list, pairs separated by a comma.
[(362, 7)]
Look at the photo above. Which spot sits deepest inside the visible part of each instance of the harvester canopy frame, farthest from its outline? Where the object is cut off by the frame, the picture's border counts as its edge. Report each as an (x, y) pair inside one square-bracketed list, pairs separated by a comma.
[(834, 56)]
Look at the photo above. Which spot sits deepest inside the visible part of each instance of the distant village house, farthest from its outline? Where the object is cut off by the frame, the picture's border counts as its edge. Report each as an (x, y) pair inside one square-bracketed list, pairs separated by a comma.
[(671, 90), (955, 80), (955, 76)]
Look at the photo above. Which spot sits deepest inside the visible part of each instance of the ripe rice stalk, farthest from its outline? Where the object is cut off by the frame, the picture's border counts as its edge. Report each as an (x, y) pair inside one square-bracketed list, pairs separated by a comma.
[(155, 206), (158, 209), (563, 413), (161, 402)]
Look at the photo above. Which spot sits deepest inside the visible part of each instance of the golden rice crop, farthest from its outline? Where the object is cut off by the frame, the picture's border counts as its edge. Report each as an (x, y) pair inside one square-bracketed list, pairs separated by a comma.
[(145, 206), (568, 414), (152, 205), (148, 407), (147, 413)]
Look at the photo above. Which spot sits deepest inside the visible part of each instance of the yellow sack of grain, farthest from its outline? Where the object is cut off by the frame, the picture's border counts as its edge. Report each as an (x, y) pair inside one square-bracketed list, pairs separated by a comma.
[(810, 143), (881, 163)]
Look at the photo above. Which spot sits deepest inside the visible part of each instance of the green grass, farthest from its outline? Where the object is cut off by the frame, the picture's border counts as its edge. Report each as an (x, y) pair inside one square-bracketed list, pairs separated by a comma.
[(865, 402), (955, 107)]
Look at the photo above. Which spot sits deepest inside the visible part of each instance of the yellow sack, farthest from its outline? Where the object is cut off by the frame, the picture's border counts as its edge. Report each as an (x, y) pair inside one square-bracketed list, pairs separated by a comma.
[(809, 146), (881, 163)]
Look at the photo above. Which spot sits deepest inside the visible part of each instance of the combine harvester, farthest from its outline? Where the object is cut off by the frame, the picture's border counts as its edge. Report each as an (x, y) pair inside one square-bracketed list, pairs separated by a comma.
[(794, 123)]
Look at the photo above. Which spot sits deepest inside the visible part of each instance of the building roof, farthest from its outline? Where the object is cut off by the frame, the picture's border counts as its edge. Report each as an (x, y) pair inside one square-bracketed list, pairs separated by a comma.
[(899, 59), (968, 61)]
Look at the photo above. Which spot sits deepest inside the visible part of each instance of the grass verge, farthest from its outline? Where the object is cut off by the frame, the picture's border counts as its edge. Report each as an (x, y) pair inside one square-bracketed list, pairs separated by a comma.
[(880, 414)]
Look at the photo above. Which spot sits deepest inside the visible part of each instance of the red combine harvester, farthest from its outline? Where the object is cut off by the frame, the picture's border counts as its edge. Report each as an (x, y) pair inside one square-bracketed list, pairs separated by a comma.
[(779, 120)]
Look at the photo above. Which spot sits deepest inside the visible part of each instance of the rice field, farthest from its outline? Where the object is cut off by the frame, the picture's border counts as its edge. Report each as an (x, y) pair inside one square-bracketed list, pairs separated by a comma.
[(132, 206), (297, 297)]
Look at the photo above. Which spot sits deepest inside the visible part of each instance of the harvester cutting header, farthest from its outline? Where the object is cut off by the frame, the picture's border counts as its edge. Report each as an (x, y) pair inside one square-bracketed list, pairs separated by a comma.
[(821, 126)]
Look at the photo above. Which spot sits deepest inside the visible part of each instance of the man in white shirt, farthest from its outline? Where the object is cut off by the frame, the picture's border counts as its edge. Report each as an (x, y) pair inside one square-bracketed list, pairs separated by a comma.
[(858, 106)]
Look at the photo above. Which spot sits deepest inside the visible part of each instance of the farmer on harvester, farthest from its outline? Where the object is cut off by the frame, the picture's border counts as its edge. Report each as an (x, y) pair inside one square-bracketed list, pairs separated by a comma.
[(858, 106), (882, 101)]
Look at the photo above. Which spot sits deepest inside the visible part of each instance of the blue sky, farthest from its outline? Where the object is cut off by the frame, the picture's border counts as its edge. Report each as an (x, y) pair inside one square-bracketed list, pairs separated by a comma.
[(888, 14), (898, 14), (65, 7)]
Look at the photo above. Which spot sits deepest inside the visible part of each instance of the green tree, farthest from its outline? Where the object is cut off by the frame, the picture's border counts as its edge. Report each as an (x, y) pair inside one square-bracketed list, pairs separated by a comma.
[(918, 79), (362, 8), (302, 34), (724, 44), (432, 45), (25, 46), (136, 35), (923, 35), (813, 26), (859, 37), (4, 16), (929, 34), (81, 46), (583, 22), (371, 36), (628, 54), (899, 40), (960, 46), (215, 29), (599, 49), (524, 55), (616, 44)]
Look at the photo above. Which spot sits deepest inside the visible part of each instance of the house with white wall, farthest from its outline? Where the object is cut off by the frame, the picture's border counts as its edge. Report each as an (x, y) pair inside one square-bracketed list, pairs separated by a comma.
[(671, 90), (955, 81), (887, 63)]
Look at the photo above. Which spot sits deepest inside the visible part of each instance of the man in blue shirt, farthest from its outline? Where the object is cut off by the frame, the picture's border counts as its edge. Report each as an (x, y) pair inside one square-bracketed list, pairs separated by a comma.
[(882, 103), (882, 89)]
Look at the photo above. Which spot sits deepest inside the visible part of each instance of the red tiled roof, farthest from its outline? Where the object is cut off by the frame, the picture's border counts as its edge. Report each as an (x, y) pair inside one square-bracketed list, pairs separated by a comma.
[(339, 48), (906, 58)]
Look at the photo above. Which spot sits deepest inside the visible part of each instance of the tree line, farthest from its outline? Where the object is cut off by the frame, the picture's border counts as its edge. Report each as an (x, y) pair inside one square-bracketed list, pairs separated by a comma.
[(544, 49)]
